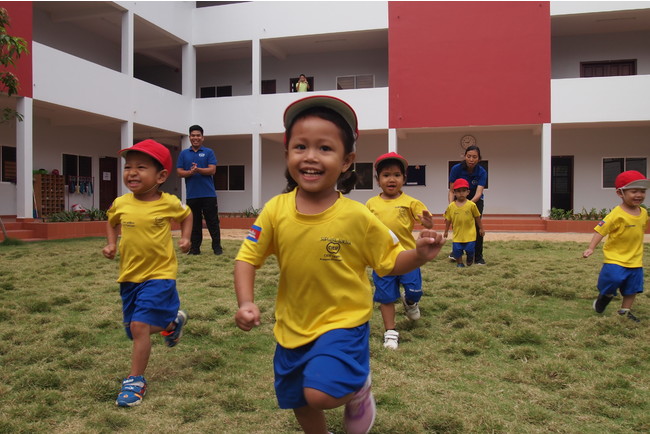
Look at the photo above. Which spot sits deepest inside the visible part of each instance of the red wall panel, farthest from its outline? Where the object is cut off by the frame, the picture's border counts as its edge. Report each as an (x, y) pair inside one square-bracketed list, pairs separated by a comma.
[(469, 63), (20, 16)]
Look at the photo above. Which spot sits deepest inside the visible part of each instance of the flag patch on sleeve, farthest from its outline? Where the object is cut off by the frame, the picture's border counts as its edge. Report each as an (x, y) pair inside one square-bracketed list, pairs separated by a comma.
[(254, 233), (601, 223)]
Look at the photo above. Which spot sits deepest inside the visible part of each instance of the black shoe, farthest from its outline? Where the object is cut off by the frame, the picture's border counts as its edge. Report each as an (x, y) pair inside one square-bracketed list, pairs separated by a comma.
[(193, 252), (626, 312), (218, 252), (480, 261), (601, 303)]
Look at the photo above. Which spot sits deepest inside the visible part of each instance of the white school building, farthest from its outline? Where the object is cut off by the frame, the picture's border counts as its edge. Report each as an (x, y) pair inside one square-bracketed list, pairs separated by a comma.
[(555, 94)]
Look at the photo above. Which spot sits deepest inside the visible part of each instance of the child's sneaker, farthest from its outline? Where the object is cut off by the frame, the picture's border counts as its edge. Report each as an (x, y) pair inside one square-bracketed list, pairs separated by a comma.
[(412, 310), (391, 338), (628, 314), (461, 265), (172, 337), (601, 303), (133, 390), (360, 411)]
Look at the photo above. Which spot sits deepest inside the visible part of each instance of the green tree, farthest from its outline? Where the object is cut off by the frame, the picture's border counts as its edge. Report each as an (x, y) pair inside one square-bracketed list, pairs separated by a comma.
[(11, 48)]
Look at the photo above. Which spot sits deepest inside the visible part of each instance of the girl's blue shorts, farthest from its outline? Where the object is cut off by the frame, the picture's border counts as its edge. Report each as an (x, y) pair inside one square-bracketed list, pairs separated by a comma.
[(154, 302), (336, 363), (614, 276)]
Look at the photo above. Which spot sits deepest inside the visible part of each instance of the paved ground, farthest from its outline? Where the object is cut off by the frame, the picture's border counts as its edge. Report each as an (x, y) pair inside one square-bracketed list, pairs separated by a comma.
[(240, 234)]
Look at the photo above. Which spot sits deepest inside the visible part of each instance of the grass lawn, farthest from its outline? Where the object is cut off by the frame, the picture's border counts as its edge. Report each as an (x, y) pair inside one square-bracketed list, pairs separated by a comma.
[(513, 346)]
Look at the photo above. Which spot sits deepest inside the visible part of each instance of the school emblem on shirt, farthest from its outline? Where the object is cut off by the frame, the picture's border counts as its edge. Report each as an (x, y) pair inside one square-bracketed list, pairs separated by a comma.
[(333, 247)]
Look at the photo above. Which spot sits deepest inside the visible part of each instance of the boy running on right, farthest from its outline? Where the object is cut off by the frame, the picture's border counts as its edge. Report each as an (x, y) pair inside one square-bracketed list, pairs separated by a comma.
[(623, 264), (464, 217)]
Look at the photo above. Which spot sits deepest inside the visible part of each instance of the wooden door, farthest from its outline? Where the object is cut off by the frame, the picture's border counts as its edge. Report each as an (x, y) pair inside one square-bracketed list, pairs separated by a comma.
[(107, 181)]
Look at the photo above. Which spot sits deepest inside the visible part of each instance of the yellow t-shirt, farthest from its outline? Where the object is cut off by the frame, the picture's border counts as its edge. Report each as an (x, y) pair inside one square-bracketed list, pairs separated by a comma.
[(463, 220), (624, 245), (302, 86), (146, 247), (399, 215), (322, 258)]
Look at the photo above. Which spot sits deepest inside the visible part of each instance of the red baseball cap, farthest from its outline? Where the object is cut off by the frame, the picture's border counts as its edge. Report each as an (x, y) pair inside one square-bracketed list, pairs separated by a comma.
[(631, 179), (392, 156), (155, 150), (460, 183), (338, 105)]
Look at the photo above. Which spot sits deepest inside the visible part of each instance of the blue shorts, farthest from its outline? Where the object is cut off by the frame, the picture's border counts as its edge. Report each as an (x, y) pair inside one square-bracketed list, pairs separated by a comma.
[(613, 277), (153, 302), (387, 287), (458, 248), (336, 363)]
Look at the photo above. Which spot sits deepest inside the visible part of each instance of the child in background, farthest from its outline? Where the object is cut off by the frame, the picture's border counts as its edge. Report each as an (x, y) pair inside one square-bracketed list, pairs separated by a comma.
[(148, 265), (464, 217), (323, 242), (623, 251), (399, 212)]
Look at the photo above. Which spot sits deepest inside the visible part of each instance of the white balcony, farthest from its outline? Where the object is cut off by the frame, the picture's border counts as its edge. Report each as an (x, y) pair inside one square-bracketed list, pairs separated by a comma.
[(263, 113), (66, 80), (600, 99)]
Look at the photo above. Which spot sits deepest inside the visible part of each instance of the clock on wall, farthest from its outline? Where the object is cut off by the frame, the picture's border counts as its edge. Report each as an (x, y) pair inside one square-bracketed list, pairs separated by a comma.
[(467, 140)]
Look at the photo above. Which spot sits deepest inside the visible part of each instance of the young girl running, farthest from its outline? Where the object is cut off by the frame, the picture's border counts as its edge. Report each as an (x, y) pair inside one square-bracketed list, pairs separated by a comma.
[(323, 242)]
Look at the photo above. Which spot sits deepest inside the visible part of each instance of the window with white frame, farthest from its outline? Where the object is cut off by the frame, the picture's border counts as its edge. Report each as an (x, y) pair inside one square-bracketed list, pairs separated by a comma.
[(613, 166), (229, 178), (355, 82)]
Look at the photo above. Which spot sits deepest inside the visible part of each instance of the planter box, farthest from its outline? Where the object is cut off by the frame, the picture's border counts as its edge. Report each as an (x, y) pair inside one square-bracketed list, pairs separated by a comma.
[(59, 231), (236, 222), (579, 226)]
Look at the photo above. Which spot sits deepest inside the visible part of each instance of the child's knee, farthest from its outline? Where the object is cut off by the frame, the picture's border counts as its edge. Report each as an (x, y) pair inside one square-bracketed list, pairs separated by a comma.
[(319, 400)]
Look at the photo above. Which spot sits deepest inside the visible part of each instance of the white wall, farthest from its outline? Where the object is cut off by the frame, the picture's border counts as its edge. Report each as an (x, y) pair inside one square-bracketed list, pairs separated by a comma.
[(569, 51), (235, 73), (270, 19), (325, 67), (514, 175), (589, 146), (70, 38)]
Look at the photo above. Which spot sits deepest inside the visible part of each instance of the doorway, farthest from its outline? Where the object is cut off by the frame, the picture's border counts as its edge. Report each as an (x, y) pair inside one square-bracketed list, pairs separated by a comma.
[(107, 181), (562, 182)]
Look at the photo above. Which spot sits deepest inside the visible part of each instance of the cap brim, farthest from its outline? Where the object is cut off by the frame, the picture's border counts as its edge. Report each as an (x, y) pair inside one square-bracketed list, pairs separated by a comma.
[(330, 102), (639, 183)]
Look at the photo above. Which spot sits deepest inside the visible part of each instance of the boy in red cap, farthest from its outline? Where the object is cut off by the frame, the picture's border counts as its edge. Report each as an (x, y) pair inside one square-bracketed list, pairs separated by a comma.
[(623, 251), (399, 212), (463, 215), (148, 265)]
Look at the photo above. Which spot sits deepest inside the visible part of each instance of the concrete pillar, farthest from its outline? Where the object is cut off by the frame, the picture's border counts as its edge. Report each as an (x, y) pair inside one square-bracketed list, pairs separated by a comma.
[(546, 170), (25, 159)]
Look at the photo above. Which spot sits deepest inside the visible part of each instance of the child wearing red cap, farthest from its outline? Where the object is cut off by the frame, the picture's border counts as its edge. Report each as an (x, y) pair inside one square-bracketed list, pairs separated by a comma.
[(324, 243), (399, 212), (148, 265), (463, 215), (623, 251)]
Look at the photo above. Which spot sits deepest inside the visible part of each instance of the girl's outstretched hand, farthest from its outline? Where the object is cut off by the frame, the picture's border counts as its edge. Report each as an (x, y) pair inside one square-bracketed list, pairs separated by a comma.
[(429, 243), (248, 316)]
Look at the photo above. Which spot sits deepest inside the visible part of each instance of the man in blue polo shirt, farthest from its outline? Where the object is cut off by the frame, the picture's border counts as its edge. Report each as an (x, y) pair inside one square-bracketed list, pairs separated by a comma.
[(197, 165)]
